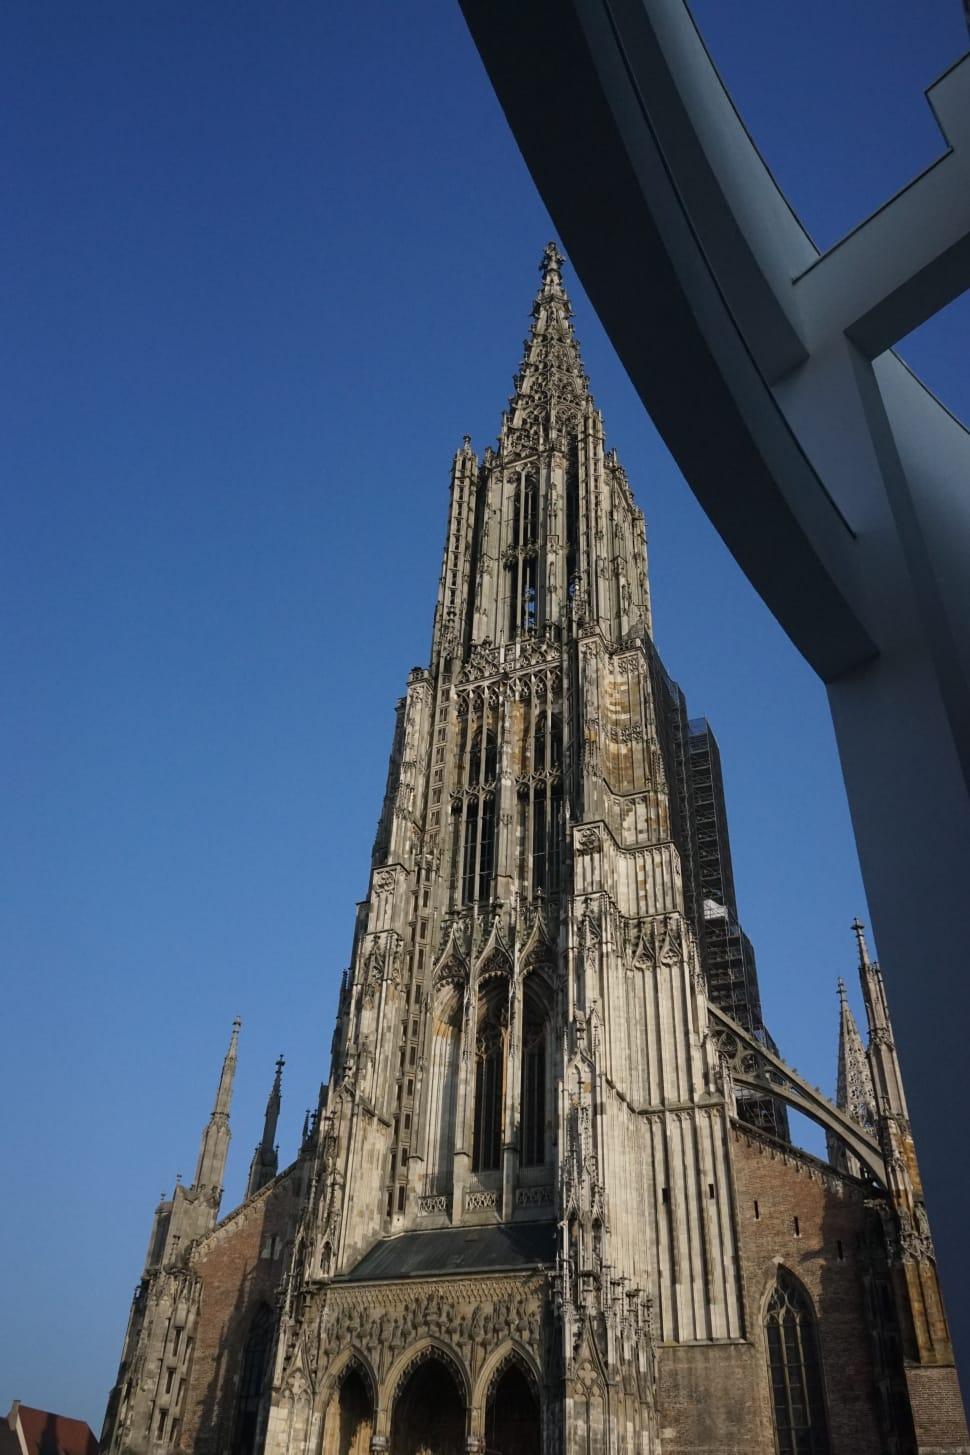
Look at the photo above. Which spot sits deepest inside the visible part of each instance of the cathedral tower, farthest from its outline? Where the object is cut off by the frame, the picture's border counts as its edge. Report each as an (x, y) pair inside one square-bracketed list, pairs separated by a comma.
[(529, 1214)]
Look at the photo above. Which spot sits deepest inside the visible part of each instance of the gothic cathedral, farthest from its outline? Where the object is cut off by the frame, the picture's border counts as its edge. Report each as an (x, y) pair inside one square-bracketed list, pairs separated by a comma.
[(548, 1201)]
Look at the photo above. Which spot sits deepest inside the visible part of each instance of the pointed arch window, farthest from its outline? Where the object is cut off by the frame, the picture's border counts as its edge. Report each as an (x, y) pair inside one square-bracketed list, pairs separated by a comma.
[(798, 1404), (489, 1082), (252, 1378), (482, 758), (539, 745), (530, 601), (525, 511), (469, 872), (533, 1098), (486, 847), (478, 822), (546, 818)]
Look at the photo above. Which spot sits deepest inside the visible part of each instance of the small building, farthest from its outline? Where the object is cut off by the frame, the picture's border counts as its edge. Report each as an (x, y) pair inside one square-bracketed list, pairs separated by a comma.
[(28, 1431)]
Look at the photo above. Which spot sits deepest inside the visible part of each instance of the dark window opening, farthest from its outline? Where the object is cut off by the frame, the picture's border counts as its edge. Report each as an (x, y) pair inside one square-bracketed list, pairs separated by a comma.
[(489, 1087), (486, 856), (798, 1404), (533, 1086), (539, 844), (468, 873)]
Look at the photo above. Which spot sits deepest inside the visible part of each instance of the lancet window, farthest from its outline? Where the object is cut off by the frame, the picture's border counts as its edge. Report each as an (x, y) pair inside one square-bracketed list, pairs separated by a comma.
[(525, 511), (474, 837), (798, 1404), (540, 832), (532, 1142), (490, 1055), (251, 1381), (524, 597), (523, 563)]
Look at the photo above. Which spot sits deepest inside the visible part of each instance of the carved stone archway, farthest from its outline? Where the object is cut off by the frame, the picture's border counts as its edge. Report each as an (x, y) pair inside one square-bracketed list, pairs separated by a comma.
[(349, 1407), (429, 1405), (508, 1411)]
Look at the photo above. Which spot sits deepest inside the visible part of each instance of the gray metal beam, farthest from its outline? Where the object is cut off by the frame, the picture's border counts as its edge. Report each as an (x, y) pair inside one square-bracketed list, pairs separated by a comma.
[(840, 485)]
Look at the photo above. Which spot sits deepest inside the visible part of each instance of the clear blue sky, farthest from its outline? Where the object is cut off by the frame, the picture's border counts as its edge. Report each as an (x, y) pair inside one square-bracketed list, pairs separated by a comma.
[(262, 266)]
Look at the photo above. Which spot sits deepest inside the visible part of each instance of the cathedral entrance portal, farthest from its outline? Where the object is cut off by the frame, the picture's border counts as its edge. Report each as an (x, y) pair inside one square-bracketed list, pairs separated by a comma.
[(512, 1424), (429, 1414), (350, 1417)]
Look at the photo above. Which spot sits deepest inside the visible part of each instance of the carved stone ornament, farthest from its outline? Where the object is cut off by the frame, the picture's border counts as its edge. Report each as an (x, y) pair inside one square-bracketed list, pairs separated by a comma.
[(472, 1316), (588, 840)]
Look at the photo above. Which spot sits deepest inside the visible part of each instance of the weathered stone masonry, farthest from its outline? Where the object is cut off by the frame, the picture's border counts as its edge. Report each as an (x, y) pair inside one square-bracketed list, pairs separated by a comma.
[(531, 1213)]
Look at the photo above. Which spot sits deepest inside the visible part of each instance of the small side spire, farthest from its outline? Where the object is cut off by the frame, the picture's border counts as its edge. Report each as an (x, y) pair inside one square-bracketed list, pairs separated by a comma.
[(910, 1242), (265, 1163), (854, 1094), (211, 1166), (887, 1078)]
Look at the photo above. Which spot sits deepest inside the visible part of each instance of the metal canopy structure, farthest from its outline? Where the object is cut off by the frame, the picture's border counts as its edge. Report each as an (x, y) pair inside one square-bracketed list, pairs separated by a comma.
[(840, 485)]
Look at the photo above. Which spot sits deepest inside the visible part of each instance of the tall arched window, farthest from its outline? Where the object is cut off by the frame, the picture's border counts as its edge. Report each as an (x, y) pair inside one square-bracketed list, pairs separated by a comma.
[(525, 512), (547, 817), (533, 1098), (469, 881), (478, 846), (530, 509), (539, 843), (798, 1405), (252, 1377), (489, 1080), (539, 745), (486, 849), (524, 595)]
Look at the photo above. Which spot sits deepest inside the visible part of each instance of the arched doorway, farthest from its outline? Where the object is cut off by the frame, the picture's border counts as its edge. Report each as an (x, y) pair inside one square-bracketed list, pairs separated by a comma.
[(350, 1416), (512, 1423), (429, 1413)]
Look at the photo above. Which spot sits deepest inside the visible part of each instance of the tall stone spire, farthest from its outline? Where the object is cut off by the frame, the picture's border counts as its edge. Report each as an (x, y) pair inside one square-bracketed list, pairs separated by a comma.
[(887, 1077), (926, 1335), (854, 1093), (265, 1161), (551, 387), (211, 1165)]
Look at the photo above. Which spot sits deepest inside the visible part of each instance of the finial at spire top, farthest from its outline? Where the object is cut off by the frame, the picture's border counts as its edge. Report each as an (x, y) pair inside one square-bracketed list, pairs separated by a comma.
[(841, 988), (552, 261)]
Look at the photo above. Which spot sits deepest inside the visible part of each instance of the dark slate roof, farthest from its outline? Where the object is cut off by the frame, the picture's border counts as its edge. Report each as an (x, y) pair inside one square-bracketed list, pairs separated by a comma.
[(458, 1250)]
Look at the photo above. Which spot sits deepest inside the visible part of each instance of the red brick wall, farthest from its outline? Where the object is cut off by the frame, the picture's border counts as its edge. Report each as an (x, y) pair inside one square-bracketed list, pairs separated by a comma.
[(236, 1280), (715, 1399), (937, 1410), (830, 1212)]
